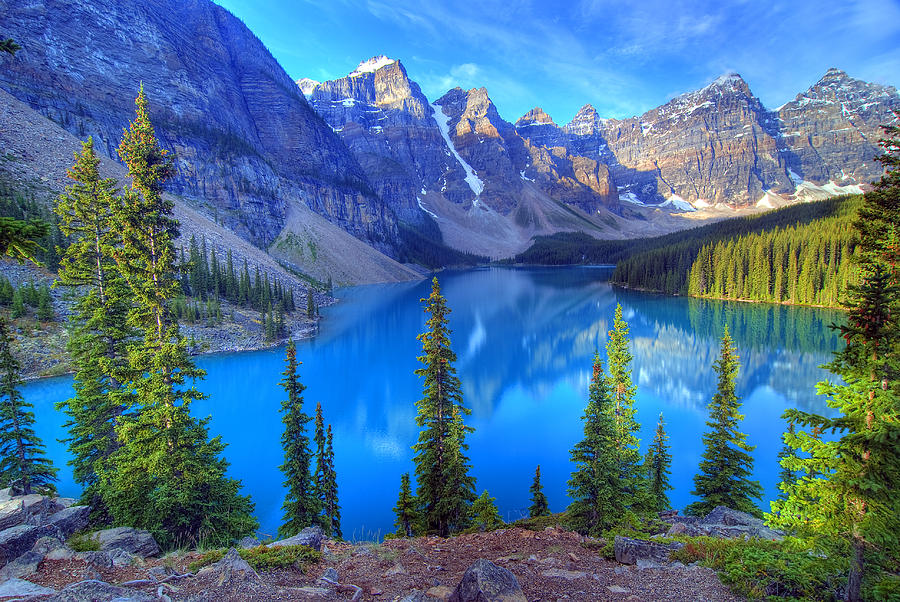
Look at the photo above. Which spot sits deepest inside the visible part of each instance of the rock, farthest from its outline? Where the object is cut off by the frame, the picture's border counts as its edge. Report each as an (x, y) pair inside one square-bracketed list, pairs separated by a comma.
[(248, 542), (330, 575), (65, 502), (131, 540), (98, 591), (20, 587), (397, 569), (310, 536), (441, 592), (316, 593), (484, 581), (46, 545), (70, 520), (621, 570), (617, 589), (563, 574), (725, 522), (628, 550), (643, 564), (677, 529), (721, 515), (414, 596), (24, 509), (24, 565), (107, 559), (231, 571), (161, 572), (17, 540), (5, 494)]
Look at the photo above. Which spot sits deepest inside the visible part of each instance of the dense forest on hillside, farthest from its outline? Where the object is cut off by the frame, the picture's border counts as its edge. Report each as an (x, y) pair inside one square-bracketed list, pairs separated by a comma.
[(799, 254)]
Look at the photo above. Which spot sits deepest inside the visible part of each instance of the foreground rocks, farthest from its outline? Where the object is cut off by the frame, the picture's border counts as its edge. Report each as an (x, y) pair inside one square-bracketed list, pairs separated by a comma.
[(484, 581), (721, 522)]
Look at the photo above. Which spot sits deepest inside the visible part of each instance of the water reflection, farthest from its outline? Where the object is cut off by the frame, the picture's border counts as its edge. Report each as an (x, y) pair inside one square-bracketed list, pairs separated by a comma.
[(524, 338)]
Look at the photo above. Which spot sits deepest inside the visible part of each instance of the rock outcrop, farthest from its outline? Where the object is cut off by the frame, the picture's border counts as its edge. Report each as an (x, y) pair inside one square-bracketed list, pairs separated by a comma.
[(484, 581)]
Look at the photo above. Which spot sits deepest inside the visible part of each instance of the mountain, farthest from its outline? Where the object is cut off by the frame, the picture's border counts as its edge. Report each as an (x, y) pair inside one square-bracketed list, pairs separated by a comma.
[(248, 147), (721, 146)]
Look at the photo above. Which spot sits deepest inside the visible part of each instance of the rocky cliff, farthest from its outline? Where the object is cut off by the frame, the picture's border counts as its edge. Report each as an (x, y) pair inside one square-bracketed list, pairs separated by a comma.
[(246, 144)]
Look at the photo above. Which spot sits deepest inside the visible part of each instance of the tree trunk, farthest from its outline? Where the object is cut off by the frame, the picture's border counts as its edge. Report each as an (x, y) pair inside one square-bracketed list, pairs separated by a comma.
[(854, 584)]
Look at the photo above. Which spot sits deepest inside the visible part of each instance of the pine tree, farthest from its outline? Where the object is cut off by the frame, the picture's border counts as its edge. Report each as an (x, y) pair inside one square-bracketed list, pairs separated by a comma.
[(99, 329), (405, 510), (727, 464), (301, 507), (331, 510), (657, 464), (18, 304), (594, 486), (45, 305), (23, 466), (445, 489), (168, 476), (486, 516), (310, 305), (9, 46), (847, 489), (319, 454), (787, 477), (622, 392), (539, 505)]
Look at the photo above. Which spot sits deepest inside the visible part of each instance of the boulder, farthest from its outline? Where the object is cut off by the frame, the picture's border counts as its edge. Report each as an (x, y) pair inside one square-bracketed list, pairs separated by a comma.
[(98, 591), (628, 550), (248, 542), (310, 536), (330, 575), (484, 581), (128, 539), (725, 522), (70, 520), (23, 509), (17, 540), (25, 589), (415, 596), (107, 559), (5, 494), (231, 571), (24, 565), (726, 516)]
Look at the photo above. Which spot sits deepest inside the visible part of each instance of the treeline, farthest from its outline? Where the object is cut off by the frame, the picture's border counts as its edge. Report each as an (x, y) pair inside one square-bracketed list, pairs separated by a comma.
[(19, 299), (799, 254), (422, 246)]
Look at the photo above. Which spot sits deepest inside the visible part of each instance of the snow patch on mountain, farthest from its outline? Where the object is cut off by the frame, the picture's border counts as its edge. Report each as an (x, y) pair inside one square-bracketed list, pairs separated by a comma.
[(443, 123), (372, 65), (677, 202), (307, 86)]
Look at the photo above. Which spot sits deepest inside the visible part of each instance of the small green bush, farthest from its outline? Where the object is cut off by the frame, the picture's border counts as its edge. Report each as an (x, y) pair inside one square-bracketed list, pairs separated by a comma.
[(82, 542), (263, 558), (539, 523)]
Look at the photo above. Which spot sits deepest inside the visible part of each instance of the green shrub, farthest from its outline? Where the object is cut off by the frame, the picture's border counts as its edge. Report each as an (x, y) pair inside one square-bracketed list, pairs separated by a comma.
[(539, 523), (263, 558), (82, 542)]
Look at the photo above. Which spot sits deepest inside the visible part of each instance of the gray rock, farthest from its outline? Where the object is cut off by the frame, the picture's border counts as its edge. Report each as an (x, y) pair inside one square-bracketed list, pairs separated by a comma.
[(721, 515), (98, 591), (26, 509), (330, 575), (310, 536), (70, 520), (677, 529), (17, 540), (248, 542), (725, 522), (107, 559), (628, 550), (20, 587), (231, 571), (484, 581), (617, 589), (415, 596), (128, 539), (47, 544), (24, 565), (65, 502), (161, 572), (643, 564), (5, 494)]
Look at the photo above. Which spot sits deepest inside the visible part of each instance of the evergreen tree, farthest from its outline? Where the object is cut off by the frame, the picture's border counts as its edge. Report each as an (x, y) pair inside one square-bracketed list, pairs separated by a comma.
[(18, 304), (787, 477), (485, 512), (445, 489), (847, 490), (319, 441), (539, 505), (45, 305), (310, 305), (331, 510), (657, 464), (594, 486), (301, 507), (23, 466), (724, 478), (9, 46), (168, 476), (622, 392), (99, 330), (405, 510)]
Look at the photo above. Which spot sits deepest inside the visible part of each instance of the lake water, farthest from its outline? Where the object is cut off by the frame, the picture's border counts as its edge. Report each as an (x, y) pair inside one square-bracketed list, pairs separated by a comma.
[(524, 339)]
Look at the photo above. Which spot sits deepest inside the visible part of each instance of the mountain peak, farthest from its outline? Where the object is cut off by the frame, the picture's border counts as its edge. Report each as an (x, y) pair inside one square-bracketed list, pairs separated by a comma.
[(372, 65), (727, 82), (307, 85), (535, 116)]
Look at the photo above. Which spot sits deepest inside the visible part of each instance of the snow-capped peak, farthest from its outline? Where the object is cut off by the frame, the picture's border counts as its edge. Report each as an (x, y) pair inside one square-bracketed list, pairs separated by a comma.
[(307, 85), (372, 65)]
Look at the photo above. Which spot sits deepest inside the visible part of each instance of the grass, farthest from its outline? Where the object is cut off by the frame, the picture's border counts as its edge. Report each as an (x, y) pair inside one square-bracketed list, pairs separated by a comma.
[(263, 558), (83, 542)]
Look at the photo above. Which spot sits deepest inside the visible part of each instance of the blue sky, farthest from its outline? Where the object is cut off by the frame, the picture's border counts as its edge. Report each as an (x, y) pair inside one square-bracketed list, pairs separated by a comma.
[(622, 57)]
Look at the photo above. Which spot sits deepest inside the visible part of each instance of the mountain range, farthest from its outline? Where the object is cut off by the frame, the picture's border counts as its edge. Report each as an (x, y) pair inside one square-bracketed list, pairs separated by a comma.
[(291, 166)]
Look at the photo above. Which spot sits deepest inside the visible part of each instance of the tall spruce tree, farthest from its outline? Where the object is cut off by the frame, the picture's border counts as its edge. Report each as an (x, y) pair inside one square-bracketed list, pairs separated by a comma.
[(485, 514), (319, 454), (539, 506), (594, 486), (724, 478), (167, 476), (444, 488), (405, 510), (846, 492), (301, 506), (23, 465), (99, 330), (622, 391), (331, 509), (658, 463)]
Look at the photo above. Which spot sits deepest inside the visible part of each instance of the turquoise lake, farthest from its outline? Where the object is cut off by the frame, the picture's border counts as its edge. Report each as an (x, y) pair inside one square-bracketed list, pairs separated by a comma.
[(524, 338)]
